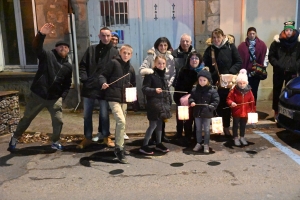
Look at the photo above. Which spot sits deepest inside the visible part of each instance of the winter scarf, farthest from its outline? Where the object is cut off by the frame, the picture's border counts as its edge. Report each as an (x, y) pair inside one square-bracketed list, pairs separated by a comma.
[(289, 42), (252, 49)]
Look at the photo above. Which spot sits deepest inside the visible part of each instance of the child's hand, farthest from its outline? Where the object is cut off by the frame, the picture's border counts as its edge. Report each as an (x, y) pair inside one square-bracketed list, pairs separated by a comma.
[(233, 104), (104, 86), (193, 104), (158, 90)]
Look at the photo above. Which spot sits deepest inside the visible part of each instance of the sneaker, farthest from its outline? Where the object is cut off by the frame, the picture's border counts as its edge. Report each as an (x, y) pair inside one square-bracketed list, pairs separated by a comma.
[(12, 144), (126, 137), (162, 148), (197, 147), (146, 150), (108, 142), (98, 137), (206, 148), (120, 156), (237, 142), (84, 143), (244, 142), (57, 146)]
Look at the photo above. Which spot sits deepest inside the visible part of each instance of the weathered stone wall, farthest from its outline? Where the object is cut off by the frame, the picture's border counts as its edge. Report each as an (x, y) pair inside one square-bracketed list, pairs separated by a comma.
[(9, 111), (207, 18)]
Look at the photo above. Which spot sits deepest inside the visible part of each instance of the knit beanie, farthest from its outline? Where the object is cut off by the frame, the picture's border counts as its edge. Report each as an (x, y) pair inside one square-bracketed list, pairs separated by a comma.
[(62, 43), (115, 34), (289, 24), (251, 29), (242, 76), (205, 73)]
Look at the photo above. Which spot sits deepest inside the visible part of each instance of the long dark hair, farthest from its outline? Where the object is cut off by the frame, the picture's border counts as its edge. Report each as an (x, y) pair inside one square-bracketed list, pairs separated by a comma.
[(164, 40)]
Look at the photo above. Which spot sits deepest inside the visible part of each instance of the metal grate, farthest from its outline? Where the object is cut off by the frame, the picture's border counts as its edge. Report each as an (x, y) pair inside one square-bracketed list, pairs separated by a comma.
[(114, 12)]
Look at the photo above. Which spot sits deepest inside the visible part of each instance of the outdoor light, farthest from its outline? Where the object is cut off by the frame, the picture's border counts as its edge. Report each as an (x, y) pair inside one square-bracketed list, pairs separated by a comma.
[(130, 94), (217, 125), (252, 118), (183, 112)]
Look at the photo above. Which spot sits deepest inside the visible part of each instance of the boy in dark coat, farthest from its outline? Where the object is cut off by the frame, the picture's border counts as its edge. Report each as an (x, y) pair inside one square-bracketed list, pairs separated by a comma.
[(117, 76)]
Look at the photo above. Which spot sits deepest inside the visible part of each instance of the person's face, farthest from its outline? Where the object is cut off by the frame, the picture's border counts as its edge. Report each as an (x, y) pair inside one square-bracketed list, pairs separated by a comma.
[(126, 54), (62, 50), (288, 32), (194, 61), (105, 36), (217, 39), (203, 81), (163, 47), (160, 64), (251, 35), (185, 43), (242, 84), (114, 40)]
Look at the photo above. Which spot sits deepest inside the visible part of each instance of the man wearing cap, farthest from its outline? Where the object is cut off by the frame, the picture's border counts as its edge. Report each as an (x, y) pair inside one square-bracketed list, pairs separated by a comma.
[(115, 39), (50, 86), (258, 50), (92, 64), (284, 56)]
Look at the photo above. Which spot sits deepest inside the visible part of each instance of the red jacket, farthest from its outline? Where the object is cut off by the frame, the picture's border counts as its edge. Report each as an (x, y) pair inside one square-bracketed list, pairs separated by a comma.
[(242, 99)]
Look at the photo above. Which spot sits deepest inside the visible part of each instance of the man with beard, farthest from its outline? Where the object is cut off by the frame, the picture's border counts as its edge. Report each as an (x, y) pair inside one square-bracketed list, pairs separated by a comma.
[(284, 56), (50, 86)]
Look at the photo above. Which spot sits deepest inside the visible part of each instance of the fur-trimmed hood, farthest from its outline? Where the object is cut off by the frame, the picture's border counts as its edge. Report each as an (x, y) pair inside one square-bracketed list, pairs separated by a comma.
[(276, 38), (228, 38)]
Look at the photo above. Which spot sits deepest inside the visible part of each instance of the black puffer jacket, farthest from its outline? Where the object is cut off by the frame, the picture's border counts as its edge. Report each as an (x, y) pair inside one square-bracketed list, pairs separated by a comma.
[(285, 57), (158, 105), (204, 95), (54, 75), (227, 56), (187, 78), (114, 70), (92, 65)]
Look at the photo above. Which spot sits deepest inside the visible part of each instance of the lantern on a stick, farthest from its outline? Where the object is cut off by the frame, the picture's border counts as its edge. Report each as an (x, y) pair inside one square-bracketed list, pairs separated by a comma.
[(217, 125), (183, 112), (130, 94), (252, 118)]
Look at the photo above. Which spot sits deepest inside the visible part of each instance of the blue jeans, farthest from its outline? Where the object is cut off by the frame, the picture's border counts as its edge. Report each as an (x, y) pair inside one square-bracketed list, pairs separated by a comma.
[(103, 126), (205, 123)]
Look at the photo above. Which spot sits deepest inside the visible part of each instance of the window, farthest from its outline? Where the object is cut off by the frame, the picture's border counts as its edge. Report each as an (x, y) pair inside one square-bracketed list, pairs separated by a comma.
[(114, 12)]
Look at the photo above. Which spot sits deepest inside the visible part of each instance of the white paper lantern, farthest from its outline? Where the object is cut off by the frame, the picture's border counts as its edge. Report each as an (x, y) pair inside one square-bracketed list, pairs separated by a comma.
[(183, 112), (130, 94), (252, 118), (217, 125)]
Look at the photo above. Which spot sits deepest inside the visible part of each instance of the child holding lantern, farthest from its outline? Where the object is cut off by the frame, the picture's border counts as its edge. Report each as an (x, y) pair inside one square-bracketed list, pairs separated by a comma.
[(116, 77), (241, 101), (155, 88), (204, 99)]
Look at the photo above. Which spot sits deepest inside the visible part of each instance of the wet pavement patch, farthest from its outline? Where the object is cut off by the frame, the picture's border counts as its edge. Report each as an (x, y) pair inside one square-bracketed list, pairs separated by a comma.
[(176, 164), (116, 171), (213, 163)]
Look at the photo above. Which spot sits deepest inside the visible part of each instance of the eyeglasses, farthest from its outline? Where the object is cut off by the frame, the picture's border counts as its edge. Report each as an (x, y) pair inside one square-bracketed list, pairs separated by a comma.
[(194, 58)]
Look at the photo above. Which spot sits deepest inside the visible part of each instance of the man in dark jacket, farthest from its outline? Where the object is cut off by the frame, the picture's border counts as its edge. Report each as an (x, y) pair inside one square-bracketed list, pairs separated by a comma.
[(284, 56), (91, 66), (51, 84)]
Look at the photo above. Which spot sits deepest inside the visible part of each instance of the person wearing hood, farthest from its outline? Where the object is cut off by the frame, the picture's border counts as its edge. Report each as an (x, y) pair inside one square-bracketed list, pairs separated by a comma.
[(284, 56), (204, 100), (50, 86), (186, 80), (229, 62), (161, 47), (115, 39), (181, 53), (253, 50), (91, 66), (241, 101), (114, 81)]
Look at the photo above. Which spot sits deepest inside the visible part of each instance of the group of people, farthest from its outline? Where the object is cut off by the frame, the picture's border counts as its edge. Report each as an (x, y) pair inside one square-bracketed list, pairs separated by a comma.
[(105, 72)]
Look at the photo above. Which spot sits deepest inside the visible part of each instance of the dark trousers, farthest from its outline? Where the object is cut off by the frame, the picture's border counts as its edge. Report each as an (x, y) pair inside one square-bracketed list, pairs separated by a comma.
[(239, 121), (223, 110), (254, 83), (278, 79)]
